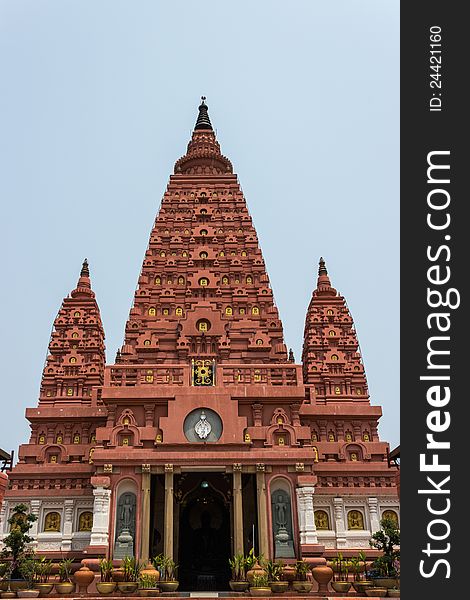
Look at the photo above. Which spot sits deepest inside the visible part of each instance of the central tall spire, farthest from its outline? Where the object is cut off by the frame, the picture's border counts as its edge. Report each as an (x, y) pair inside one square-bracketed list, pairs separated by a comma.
[(203, 156), (203, 289)]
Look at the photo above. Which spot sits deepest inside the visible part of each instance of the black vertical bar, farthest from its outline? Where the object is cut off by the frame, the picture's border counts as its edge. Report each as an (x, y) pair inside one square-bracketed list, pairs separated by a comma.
[(434, 73)]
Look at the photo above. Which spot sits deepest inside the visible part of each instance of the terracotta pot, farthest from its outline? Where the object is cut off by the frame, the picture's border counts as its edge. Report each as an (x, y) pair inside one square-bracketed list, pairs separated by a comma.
[(168, 586), (302, 587), (376, 592), (83, 577), (288, 573), (127, 587), (44, 588), (238, 586), (118, 574), (150, 571), (255, 570), (341, 586), (322, 576), (279, 587), (260, 591), (27, 593), (106, 587), (65, 587)]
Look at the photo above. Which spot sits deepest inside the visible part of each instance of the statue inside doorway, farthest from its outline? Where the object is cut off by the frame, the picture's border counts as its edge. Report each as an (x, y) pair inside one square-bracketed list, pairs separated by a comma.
[(206, 544)]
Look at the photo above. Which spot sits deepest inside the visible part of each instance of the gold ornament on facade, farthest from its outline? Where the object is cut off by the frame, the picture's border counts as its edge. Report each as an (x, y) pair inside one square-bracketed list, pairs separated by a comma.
[(203, 372), (322, 520), (355, 520), (85, 521), (52, 522)]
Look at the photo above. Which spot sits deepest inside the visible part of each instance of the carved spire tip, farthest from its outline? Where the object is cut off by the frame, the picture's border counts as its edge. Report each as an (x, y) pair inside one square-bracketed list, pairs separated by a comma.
[(203, 121), (85, 272), (321, 267)]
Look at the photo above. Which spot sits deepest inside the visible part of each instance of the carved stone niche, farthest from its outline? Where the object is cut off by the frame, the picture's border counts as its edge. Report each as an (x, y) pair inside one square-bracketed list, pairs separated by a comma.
[(125, 525), (281, 510)]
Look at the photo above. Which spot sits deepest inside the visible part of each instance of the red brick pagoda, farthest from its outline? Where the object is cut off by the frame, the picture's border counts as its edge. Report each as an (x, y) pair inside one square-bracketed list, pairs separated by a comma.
[(204, 434)]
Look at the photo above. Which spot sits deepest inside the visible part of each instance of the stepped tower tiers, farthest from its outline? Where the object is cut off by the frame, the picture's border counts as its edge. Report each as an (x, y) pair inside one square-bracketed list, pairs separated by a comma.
[(203, 290), (203, 406)]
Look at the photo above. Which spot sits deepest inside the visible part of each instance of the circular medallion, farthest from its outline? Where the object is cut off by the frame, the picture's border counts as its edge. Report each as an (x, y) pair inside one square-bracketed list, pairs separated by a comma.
[(202, 425)]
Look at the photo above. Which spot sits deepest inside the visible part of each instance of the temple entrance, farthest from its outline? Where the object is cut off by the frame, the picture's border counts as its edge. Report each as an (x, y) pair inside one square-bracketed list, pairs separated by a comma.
[(204, 540)]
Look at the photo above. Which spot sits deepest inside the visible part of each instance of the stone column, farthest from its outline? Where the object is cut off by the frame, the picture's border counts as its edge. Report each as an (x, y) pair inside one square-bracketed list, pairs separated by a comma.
[(263, 543), (341, 540), (35, 506), (66, 545), (307, 528), (3, 512), (374, 514), (168, 534), (145, 516), (100, 529), (237, 510)]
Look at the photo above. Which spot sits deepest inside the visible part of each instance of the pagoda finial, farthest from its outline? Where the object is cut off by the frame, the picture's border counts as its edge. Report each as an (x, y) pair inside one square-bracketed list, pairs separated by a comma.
[(322, 268), (85, 272), (323, 282), (84, 284), (203, 121)]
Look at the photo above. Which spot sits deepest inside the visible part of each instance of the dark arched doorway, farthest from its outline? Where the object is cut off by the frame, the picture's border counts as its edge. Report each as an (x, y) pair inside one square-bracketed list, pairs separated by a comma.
[(204, 539)]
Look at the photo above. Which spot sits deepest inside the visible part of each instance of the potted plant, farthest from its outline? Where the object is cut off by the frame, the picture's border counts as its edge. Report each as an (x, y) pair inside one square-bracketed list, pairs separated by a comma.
[(17, 541), (65, 585), (106, 585), (238, 581), (27, 568), (358, 565), (3, 571), (254, 566), (301, 583), (387, 540), (340, 581), (43, 571), (275, 571), (260, 585), (168, 569), (131, 572), (148, 585), (5, 577)]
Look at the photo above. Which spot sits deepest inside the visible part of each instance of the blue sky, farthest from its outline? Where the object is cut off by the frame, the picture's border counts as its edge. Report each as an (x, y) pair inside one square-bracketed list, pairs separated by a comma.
[(97, 102)]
